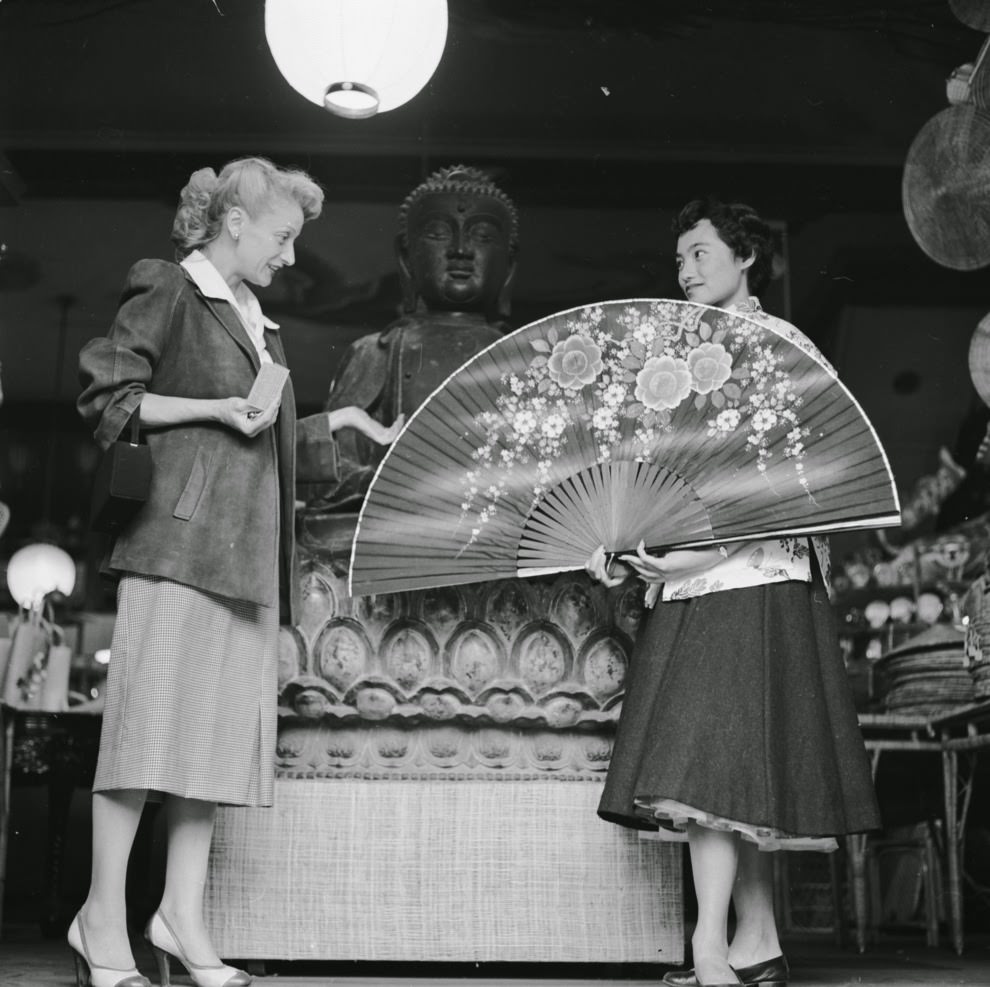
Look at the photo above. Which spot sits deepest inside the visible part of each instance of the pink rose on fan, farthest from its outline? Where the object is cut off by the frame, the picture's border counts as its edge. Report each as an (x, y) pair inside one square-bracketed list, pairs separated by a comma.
[(664, 382), (710, 365), (575, 362)]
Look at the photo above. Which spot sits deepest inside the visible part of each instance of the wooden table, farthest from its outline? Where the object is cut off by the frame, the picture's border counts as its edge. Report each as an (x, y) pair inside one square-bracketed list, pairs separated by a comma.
[(957, 737), (961, 735)]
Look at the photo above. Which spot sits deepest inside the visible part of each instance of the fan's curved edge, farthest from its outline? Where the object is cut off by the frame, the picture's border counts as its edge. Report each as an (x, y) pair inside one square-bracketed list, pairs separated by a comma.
[(621, 301), (849, 394), (871, 521), (882, 450)]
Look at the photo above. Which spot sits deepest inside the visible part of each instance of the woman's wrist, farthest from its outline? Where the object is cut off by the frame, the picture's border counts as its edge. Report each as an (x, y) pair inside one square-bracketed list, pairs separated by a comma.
[(157, 410)]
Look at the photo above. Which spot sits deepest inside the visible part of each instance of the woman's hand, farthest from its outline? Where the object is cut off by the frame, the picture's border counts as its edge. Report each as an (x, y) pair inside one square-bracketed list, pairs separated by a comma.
[(670, 565), (237, 414), (599, 569), (354, 417)]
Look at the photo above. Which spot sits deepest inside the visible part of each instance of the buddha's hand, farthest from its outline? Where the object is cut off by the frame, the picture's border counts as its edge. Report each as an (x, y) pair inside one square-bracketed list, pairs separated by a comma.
[(675, 564), (354, 417), (605, 571)]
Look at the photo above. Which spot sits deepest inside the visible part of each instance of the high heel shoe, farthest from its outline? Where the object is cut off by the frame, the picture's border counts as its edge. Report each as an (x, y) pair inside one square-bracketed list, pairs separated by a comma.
[(90, 975), (163, 943)]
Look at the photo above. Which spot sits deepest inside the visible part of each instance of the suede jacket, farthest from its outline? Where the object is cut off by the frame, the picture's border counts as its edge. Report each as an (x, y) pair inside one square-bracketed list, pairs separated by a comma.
[(220, 513)]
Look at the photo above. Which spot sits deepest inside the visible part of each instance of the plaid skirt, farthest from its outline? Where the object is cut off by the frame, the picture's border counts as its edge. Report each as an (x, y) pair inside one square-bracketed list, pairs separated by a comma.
[(190, 696)]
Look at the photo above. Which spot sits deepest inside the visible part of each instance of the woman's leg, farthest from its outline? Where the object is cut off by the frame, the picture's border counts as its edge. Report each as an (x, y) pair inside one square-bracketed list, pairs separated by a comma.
[(755, 938), (116, 815), (714, 857), (189, 825)]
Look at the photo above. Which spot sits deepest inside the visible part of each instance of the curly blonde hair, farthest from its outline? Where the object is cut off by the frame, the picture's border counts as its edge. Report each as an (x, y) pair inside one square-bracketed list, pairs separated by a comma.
[(252, 184)]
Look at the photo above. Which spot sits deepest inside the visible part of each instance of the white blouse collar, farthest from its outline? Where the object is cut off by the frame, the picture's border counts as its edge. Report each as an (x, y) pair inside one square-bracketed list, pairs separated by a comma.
[(211, 283)]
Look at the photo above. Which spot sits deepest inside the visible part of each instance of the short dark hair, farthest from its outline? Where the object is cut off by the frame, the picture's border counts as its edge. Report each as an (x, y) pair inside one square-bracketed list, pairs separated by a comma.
[(740, 227)]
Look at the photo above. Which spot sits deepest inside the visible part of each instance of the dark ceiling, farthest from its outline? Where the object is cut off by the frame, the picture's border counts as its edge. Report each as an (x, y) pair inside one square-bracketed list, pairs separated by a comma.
[(813, 103), (806, 108)]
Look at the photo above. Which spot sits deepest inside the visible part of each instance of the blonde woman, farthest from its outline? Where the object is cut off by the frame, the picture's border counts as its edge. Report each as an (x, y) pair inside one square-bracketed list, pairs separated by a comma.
[(204, 566)]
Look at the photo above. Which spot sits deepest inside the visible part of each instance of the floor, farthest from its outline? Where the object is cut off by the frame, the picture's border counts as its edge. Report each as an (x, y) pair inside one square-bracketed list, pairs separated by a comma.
[(27, 960)]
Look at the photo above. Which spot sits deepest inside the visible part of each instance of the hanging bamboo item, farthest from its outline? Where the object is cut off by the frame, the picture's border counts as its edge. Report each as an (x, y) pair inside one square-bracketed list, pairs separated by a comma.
[(946, 183), (946, 188)]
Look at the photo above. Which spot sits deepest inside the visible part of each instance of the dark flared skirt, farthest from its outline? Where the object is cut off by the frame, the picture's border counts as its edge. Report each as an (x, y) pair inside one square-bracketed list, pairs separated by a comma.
[(738, 715)]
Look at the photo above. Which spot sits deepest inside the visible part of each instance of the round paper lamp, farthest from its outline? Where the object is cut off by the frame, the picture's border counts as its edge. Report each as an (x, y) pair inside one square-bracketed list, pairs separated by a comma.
[(356, 58), (37, 570)]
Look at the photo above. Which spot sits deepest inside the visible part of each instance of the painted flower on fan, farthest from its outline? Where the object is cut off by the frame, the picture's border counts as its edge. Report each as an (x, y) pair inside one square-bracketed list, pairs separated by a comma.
[(524, 421), (603, 418), (710, 365), (615, 395), (645, 333), (554, 425), (727, 420), (764, 420), (664, 382), (574, 362)]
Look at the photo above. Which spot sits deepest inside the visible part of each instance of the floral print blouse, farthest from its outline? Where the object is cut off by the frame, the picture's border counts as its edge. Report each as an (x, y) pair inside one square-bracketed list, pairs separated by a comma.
[(755, 563)]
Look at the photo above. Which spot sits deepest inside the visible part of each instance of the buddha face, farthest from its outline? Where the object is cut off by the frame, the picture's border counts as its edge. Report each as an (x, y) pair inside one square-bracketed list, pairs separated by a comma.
[(458, 256)]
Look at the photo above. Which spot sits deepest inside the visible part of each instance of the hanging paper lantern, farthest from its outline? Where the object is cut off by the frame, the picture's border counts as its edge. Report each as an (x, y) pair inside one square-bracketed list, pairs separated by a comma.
[(37, 570), (356, 58)]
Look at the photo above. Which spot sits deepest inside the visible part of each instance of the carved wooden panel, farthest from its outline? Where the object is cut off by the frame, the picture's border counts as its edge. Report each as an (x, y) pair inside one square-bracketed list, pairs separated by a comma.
[(514, 678)]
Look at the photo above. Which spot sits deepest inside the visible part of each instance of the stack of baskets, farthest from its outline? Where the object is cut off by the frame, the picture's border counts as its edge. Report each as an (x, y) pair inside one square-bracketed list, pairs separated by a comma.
[(976, 610), (928, 674)]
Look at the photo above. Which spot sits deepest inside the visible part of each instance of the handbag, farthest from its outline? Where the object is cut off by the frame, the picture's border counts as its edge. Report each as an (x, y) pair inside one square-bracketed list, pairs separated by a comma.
[(122, 482)]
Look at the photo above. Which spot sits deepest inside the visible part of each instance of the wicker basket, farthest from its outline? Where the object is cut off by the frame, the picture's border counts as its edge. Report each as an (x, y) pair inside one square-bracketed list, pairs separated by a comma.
[(927, 674)]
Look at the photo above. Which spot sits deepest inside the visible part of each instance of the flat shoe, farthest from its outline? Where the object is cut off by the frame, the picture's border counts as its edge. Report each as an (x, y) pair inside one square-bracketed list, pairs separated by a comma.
[(688, 978), (680, 978), (767, 973)]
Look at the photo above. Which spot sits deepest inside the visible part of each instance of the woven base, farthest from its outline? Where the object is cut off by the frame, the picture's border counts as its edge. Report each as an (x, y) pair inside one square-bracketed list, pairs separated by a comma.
[(484, 871)]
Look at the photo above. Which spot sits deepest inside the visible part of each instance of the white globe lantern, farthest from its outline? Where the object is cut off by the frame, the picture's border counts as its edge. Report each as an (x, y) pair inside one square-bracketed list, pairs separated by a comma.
[(37, 570), (356, 58)]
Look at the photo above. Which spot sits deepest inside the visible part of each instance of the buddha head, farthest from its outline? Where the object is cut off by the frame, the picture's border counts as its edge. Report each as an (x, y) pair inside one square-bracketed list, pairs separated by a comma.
[(458, 235)]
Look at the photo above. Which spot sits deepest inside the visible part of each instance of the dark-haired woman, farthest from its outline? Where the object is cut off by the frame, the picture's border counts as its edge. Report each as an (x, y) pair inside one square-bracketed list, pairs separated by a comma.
[(738, 728)]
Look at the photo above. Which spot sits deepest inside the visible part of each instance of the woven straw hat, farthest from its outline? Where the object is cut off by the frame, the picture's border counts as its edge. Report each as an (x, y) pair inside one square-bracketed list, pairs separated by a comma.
[(979, 359), (946, 188), (973, 13)]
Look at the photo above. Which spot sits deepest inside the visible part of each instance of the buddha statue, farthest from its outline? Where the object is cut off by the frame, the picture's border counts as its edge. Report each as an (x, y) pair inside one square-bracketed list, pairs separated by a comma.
[(456, 248)]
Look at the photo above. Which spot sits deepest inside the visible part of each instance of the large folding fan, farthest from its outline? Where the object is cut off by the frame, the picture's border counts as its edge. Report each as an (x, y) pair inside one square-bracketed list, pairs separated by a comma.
[(666, 422)]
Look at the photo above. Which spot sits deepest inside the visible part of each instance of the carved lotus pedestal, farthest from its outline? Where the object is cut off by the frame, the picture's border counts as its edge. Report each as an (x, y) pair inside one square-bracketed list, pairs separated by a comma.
[(439, 763)]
